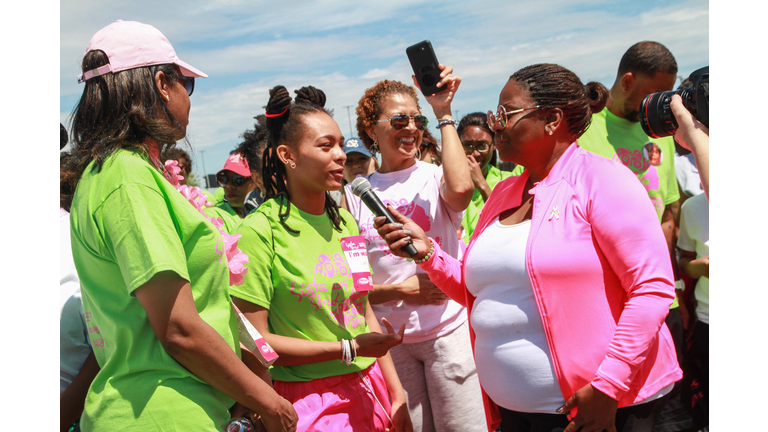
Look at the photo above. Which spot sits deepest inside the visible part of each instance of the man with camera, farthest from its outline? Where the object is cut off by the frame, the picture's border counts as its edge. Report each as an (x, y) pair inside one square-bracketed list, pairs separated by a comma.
[(616, 133)]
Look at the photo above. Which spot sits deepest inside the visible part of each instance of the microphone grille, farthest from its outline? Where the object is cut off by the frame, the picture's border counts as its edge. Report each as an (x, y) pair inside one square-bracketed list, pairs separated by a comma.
[(360, 185)]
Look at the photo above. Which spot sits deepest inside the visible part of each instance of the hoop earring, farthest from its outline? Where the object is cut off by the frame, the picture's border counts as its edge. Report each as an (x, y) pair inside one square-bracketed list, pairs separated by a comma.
[(375, 147), (293, 165), (418, 154)]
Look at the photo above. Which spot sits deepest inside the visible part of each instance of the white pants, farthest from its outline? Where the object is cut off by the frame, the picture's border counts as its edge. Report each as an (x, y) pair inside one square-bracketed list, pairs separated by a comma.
[(440, 382)]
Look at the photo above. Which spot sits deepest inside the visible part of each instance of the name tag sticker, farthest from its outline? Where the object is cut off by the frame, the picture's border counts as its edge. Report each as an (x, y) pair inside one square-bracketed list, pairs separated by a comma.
[(357, 259)]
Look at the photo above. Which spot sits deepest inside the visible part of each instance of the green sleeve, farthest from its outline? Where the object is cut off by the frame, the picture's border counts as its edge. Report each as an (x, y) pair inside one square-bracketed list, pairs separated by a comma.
[(256, 241), (672, 191), (141, 234)]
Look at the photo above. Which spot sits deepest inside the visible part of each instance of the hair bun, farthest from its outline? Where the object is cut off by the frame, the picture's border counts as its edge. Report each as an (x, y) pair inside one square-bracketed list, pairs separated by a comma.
[(279, 100), (597, 95), (310, 95)]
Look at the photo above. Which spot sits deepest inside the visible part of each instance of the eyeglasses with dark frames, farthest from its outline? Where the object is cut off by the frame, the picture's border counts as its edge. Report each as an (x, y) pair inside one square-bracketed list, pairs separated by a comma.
[(502, 116), (237, 180), (401, 121), (481, 148), (189, 82)]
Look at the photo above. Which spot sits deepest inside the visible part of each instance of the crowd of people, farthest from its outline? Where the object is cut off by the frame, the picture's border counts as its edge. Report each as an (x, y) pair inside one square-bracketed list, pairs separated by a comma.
[(566, 292)]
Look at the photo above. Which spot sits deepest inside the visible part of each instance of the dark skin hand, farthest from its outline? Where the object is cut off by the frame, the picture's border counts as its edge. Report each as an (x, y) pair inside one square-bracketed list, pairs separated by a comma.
[(597, 411)]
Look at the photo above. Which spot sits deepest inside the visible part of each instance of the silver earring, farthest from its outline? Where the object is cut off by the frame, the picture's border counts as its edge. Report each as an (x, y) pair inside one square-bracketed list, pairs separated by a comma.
[(293, 165), (550, 132), (168, 98), (418, 154), (375, 147)]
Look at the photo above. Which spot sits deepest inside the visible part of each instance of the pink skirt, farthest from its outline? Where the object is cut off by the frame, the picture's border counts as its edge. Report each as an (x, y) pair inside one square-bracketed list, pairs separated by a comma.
[(340, 403)]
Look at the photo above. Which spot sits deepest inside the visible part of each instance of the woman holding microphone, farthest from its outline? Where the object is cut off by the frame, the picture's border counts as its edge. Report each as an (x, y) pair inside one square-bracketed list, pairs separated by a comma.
[(567, 277)]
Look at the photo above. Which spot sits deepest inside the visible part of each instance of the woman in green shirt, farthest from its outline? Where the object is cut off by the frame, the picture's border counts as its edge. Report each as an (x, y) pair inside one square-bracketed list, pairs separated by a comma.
[(155, 288), (306, 290)]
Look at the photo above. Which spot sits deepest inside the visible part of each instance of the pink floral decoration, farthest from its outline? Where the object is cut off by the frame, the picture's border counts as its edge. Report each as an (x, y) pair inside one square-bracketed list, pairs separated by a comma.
[(235, 257)]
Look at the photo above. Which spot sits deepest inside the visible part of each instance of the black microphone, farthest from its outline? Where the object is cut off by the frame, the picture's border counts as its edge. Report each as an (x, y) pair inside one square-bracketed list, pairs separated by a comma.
[(362, 188)]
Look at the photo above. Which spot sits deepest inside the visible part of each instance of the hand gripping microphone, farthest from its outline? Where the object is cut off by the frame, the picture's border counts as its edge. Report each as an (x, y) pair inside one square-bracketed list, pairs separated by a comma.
[(362, 188)]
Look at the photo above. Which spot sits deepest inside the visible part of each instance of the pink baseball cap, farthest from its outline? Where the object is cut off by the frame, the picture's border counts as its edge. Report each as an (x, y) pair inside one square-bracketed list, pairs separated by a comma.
[(131, 44), (237, 164)]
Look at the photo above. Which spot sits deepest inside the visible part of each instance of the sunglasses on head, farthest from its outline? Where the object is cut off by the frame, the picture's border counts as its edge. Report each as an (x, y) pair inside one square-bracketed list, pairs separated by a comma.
[(189, 82), (401, 121), (237, 179)]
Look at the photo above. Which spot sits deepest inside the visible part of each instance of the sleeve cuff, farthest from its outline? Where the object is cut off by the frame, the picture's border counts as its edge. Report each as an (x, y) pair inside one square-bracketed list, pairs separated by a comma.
[(605, 382)]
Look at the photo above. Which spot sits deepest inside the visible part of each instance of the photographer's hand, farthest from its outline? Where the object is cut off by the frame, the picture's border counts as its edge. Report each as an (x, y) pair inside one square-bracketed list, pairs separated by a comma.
[(694, 136)]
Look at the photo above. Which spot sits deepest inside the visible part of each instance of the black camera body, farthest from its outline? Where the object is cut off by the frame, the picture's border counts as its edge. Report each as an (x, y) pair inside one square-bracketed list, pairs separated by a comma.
[(656, 116)]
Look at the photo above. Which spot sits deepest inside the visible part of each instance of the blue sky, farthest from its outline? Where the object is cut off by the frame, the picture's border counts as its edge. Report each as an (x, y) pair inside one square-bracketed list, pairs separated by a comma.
[(344, 47)]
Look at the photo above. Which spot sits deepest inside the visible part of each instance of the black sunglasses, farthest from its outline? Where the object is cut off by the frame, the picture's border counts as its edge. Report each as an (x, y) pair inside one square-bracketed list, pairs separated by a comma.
[(189, 82), (237, 179), (401, 121)]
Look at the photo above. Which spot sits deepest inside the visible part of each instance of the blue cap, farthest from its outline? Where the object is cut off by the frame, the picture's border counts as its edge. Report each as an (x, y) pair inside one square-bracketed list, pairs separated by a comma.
[(355, 144)]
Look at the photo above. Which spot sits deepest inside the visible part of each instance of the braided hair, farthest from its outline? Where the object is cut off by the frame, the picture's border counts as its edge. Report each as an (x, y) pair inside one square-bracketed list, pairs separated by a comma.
[(553, 86), (284, 126)]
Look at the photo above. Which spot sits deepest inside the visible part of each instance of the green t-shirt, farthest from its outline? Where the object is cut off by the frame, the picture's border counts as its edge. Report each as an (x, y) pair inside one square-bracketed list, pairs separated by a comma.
[(230, 217), (305, 283), (218, 195), (622, 140), (472, 214), (128, 223)]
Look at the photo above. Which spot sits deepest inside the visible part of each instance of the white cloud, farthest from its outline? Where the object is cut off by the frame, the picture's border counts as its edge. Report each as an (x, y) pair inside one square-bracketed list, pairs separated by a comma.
[(344, 47)]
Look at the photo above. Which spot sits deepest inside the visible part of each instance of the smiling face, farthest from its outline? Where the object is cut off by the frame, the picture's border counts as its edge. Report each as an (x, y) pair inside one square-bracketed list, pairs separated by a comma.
[(319, 155), (475, 136), (520, 141), (397, 147)]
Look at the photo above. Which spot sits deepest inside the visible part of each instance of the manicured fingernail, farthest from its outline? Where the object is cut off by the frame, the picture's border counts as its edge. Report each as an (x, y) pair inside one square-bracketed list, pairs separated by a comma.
[(407, 232), (397, 225), (559, 410)]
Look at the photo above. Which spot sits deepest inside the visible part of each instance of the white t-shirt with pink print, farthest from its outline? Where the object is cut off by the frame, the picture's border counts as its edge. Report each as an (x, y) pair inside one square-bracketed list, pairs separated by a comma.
[(414, 192)]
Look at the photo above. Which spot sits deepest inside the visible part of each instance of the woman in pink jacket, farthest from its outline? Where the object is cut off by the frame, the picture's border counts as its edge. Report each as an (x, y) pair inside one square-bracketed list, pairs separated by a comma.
[(567, 276)]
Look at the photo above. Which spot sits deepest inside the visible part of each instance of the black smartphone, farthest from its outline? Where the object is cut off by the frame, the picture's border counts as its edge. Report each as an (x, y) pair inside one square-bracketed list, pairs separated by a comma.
[(424, 64)]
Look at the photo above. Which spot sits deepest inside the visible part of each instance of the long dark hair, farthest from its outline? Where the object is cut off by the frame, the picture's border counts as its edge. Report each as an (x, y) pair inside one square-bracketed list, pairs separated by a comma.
[(284, 126), (117, 110), (553, 86)]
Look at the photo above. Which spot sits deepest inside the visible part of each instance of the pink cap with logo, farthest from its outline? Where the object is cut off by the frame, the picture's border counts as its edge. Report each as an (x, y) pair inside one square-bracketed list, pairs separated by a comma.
[(237, 164), (131, 44)]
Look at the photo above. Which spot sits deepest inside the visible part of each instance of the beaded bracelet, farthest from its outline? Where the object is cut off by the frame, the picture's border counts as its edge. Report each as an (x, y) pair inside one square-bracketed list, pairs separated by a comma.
[(446, 122), (428, 255)]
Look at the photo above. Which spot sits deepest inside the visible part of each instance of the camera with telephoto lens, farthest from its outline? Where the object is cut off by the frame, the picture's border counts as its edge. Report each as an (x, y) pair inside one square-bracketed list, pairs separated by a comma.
[(656, 116)]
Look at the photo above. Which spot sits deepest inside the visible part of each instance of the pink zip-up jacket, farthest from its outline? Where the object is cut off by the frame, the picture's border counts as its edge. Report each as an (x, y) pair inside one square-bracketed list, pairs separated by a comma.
[(601, 274)]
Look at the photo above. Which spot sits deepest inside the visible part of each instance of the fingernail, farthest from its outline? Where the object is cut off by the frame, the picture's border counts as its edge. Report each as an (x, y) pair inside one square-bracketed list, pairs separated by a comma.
[(407, 232), (559, 410), (398, 225)]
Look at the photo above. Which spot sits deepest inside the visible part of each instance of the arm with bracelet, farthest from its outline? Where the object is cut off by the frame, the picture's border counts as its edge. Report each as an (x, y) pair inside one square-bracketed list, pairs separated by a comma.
[(457, 187)]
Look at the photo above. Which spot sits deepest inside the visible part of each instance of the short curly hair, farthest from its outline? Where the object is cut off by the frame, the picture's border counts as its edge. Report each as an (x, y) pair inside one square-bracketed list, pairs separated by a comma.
[(369, 107)]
